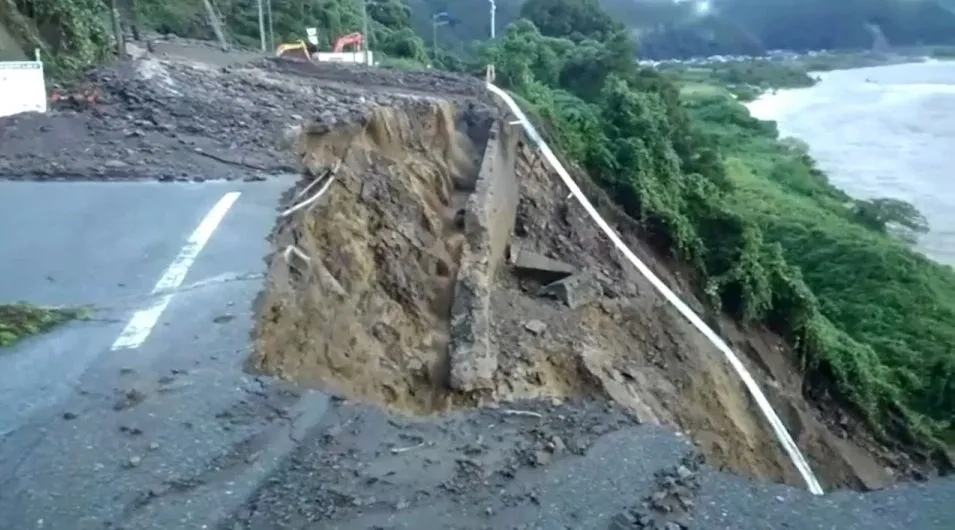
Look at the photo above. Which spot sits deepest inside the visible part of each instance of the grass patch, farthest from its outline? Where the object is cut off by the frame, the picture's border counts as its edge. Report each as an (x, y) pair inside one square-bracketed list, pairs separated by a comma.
[(20, 320)]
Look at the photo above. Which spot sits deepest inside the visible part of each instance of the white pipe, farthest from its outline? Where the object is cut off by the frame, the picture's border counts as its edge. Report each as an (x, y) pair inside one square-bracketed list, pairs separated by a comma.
[(779, 429), (314, 198)]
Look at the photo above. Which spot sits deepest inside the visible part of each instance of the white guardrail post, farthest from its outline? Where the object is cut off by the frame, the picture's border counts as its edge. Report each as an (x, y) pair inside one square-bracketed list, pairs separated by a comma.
[(779, 429), (23, 87)]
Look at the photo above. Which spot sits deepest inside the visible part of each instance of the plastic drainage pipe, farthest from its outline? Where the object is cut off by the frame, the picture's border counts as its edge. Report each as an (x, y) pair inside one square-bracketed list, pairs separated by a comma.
[(779, 429)]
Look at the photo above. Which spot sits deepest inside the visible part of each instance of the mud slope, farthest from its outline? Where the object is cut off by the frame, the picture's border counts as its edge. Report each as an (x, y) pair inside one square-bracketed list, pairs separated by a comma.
[(444, 267)]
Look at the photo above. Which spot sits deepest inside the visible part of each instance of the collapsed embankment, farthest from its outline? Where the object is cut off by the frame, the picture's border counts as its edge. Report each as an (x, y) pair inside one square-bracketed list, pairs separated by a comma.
[(444, 267), (361, 284)]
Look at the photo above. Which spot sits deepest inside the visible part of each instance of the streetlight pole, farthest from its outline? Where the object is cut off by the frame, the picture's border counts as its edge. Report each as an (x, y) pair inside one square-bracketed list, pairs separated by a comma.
[(261, 24), (490, 67), (364, 30)]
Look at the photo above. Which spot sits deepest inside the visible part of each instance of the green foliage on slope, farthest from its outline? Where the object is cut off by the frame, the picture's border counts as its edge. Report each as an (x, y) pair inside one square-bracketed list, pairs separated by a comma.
[(70, 34), (772, 242)]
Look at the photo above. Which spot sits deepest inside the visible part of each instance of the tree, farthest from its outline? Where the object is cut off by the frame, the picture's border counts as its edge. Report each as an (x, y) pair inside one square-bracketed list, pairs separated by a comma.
[(879, 214), (574, 19)]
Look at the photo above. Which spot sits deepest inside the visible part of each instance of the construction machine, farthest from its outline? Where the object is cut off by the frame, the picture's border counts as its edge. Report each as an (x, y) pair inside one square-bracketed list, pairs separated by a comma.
[(303, 50), (308, 50), (355, 39)]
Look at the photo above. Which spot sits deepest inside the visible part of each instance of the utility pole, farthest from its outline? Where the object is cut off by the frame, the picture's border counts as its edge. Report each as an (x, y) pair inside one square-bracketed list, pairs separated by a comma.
[(437, 19), (490, 68), (133, 19), (117, 30), (216, 24), (261, 25)]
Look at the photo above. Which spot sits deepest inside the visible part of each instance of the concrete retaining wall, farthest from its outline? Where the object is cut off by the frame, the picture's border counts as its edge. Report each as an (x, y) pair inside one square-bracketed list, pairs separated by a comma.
[(488, 223)]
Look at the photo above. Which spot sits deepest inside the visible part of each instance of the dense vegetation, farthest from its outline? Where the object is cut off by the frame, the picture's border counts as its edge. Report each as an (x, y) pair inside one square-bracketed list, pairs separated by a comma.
[(69, 33), (404, 28), (772, 242)]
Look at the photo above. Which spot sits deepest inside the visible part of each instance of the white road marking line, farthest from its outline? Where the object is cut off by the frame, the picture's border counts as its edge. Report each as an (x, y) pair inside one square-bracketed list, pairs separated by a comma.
[(143, 321)]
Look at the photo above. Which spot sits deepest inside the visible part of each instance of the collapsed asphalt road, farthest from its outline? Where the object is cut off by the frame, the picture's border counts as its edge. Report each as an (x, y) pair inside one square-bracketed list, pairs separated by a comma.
[(542, 466), (171, 433), (149, 426)]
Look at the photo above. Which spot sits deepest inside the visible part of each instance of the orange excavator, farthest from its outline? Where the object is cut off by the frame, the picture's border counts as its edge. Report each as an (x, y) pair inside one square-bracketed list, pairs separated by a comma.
[(355, 39), (305, 50)]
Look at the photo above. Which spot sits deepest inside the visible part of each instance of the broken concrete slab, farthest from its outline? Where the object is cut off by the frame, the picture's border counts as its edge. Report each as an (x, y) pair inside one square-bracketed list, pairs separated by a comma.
[(576, 290), (539, 266), (473, 360)]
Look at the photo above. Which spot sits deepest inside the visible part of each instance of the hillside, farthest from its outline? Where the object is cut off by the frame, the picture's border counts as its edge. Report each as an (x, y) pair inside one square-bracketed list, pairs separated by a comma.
[(405, 28), (686, 165), (666, 29)]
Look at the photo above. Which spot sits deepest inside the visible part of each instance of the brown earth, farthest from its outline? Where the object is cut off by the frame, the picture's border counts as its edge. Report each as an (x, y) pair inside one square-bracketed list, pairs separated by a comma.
[(370, 311), (371, 315)]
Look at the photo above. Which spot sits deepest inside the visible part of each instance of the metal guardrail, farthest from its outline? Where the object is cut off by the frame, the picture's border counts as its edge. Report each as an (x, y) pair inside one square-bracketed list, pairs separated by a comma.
[(779, 429)]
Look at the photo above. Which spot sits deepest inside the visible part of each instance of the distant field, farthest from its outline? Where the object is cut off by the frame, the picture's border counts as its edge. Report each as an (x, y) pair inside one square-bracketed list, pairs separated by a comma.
[(703, 89)]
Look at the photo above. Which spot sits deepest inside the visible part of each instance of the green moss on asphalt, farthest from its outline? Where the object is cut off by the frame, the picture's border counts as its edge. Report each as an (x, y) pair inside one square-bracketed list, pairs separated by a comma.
[(20, 320)]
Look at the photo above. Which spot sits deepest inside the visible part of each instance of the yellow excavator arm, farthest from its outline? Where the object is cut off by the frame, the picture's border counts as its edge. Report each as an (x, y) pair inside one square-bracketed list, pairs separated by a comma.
[(294, 50)]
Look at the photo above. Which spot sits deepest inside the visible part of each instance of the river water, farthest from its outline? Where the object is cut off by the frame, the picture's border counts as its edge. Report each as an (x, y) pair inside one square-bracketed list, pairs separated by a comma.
[(882, 132)]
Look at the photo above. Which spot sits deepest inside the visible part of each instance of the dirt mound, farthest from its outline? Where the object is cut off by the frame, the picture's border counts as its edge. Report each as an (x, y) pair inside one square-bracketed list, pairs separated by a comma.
[(189, 114)]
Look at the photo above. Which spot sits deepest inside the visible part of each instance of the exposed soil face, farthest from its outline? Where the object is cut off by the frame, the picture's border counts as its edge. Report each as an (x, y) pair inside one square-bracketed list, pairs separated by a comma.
[(368, 313)]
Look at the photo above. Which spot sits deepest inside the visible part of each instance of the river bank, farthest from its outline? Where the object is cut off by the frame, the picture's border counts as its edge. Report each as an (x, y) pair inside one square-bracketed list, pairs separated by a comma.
[(880, 132), (884, 311)]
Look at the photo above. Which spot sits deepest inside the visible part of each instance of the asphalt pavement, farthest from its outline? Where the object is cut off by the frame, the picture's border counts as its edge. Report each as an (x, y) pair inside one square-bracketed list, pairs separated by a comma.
[(163, 430)]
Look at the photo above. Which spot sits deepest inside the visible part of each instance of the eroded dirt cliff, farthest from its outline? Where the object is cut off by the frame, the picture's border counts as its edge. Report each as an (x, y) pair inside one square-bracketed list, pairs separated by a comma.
[(427, 277), (361, 284)]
